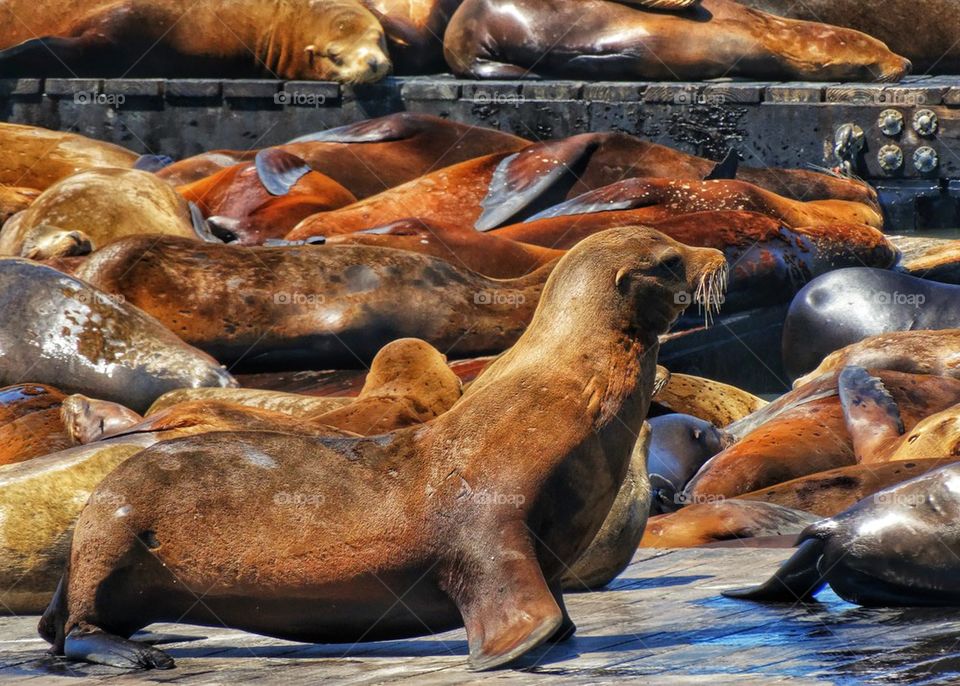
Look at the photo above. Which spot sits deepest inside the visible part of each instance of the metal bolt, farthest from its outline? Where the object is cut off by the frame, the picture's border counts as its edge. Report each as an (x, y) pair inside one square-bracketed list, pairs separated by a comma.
[(925, 122), (926, 159), (890, 158), (890, 122)]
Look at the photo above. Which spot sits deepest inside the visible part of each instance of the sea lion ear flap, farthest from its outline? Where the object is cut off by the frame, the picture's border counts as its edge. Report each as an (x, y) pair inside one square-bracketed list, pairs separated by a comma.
[(622, 275), (726, 168), (311, 51), (524, 177), (871, 414), (279, 170)]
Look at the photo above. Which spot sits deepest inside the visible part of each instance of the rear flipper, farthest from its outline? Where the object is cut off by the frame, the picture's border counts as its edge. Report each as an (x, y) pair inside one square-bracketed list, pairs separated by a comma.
[(797, 580), (92, 644)]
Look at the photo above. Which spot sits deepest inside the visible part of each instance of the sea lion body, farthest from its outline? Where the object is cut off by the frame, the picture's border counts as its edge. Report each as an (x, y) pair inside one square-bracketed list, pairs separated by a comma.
[(62, 331), (710, 522), (712, 401), (463, 526), (844, 307), (334, 40), (896, 548), (608, 40), (100, 205), (276, 401), (938, 21), (14, 200), (935, 259), (32, 434), (36, 157), (309, 307)]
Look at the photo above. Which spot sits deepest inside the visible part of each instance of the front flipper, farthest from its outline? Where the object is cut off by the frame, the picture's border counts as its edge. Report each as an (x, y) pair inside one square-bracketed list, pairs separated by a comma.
[(279, 171), (629, 194), (797, 580), (727, 168), (92, 644), (870, 412), (507, 607)]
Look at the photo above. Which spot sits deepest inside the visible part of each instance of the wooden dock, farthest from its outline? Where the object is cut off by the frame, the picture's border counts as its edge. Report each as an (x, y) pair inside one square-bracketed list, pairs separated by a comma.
[(662, 622)]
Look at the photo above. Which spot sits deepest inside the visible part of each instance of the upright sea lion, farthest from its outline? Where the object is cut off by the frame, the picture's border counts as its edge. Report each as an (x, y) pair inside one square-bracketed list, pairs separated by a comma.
[(61, 331), (680, 445), (484, 253), (474, 531), (370, 156), (496, 189), (309, 307), (937, 21), (98, 206), (812, 436), (36, 157), (253, 201), (326, 40), (897, 547), (935, 352), (829, 493), (710, 522), (717, 403), (608, 40), (844, 307)]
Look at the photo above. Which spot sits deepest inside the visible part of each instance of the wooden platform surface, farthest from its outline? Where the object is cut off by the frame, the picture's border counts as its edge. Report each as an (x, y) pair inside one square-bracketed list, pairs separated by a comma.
[(663, 621)]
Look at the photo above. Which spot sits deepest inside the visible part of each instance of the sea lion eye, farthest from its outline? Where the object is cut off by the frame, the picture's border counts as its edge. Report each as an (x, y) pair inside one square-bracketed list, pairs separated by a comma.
[(673, 265)]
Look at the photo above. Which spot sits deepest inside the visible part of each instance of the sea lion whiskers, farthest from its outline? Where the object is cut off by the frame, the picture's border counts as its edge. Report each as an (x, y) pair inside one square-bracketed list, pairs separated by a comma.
[(710, 291)]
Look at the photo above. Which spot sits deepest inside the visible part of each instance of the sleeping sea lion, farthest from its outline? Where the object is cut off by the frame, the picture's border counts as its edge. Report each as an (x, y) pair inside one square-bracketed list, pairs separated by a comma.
[(472, 519)]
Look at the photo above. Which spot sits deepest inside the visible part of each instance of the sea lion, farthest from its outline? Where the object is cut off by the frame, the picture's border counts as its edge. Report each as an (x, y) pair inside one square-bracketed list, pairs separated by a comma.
[(94, 207), (30, 422), (88, 419), (369, 156), (845, 307), (934, 352), (483, 528), (253, 201), (717, 403), (484, 253), (61, 331), (326, 40), (309, 307), (294, 404), (616, 543), (22, 399), (679, 447), (496, 189), (938, 21), (35, 157), (898, 547), (609, 40), (811, 436), (826, 494), (14, 200), (935, 259), (726, 520)]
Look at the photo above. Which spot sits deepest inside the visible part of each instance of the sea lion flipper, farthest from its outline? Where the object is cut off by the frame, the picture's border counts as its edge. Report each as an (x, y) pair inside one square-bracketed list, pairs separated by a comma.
[(798, 579), (279, 170), (630, 194), (528, 175), (92, 644), (393, 127), (726, 168), (871, 414), (152, 163), (665, 5), (201, 227)]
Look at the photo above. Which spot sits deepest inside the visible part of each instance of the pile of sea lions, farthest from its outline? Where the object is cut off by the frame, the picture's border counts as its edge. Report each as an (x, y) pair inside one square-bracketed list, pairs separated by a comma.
[(360, 41), (230, 373)]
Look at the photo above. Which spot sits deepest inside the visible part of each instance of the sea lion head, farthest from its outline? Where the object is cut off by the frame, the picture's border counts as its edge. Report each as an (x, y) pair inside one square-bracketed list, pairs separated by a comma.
[(638, 277), (46, 242), (413, 368), (344, 42), (87, 420)]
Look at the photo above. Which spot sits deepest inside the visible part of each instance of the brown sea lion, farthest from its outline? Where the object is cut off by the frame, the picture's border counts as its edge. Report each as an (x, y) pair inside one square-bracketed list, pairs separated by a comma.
[(309, 307), (609, 40), (474, 517), (714, 402), (14, 199), (22, 399), (484, 253), (276, 401), (935, 352), (370, 156), (496, 189), (95, 207), (30, 422), (709, 522), (36, 157), (936, 259), (829, 493), (253, 201), (61, 331), (327, 40), (811, 436), (88, 420), (938, 21)]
